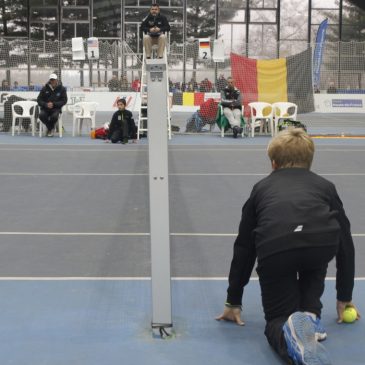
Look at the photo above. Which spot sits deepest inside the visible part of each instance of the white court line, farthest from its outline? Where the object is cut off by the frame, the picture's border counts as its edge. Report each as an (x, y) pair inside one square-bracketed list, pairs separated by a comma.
[(127, 278), (172, 148), (172, 174), (126, 234)]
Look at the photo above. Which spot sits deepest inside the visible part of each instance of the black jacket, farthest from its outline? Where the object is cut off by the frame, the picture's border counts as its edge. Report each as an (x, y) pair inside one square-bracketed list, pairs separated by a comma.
[(159, 21), (292, 208), (231, 98), (116, 122), (58, 96)]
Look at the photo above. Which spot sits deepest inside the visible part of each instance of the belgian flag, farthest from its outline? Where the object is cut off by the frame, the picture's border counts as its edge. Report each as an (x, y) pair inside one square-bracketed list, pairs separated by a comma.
[(282, 79)]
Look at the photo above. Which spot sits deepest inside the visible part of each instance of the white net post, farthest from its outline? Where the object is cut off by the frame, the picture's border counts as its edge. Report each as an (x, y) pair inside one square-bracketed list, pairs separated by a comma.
[(159, 193)]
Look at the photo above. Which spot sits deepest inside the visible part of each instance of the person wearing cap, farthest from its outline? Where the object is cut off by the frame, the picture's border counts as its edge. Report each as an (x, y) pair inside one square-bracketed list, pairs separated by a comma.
[(51, 99)]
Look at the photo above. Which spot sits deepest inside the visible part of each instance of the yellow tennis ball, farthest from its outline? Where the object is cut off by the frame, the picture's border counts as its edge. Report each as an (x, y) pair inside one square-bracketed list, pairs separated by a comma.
[(349, 315)]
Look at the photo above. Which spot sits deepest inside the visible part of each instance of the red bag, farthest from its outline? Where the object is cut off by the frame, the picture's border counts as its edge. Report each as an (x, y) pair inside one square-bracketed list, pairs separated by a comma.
[(208, 110), (99, 133)]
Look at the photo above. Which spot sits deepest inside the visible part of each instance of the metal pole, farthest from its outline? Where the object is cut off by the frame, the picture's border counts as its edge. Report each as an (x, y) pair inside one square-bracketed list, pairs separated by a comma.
[(278, 10), (184, 41), (247, 24), (29, 46), (339, 44), (216, 31)]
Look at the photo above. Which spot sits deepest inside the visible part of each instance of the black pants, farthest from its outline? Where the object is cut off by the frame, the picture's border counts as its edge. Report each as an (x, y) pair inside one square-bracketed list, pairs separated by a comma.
[(291, 281), (120, 134), (49, 117)]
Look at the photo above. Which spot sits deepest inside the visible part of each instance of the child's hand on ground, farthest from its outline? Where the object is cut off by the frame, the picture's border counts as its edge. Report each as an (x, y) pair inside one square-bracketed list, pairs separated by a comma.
[(341, 306), (232, 314)]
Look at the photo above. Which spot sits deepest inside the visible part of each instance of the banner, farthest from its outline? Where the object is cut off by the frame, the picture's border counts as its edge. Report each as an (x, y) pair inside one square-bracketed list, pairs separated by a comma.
[(93, 48), (318, 53), (277, 80), (204, 49)]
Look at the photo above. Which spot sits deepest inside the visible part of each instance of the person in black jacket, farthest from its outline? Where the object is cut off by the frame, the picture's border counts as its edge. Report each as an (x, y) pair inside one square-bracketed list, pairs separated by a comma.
[(122, 125), (231, 101), (51, 99), (154, 26), (293, 223)]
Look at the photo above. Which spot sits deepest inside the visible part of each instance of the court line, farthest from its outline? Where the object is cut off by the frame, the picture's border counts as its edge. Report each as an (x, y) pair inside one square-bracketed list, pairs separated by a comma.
[(126, 234), (172, 148), (171, 174), (127, 278)]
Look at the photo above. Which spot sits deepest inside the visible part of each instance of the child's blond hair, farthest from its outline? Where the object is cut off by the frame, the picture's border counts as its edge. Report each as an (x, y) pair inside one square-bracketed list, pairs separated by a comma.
[(291, 148)]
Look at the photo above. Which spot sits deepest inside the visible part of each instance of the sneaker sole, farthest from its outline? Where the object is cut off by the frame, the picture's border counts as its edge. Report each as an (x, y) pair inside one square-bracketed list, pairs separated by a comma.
[(313, 353)]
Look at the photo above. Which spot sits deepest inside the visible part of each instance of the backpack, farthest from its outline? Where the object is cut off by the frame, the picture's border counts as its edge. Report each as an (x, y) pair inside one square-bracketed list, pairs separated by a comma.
[(287, 123)]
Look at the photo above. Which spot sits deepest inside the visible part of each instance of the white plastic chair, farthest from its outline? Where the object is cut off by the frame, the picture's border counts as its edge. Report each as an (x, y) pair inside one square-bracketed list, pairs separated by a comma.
[(281, 111), (222, 113), (83, 110), (258, 118), (28, 112), (59, 127)]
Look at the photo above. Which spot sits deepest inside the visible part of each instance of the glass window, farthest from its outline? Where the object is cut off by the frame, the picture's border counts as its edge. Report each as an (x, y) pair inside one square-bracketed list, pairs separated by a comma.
[(319, 15), (131, 2), (131, 33), (68, 31), (262, 16), (43, 14), (201, 19), (163, 2), (106, 16), (294, 20), (44, 2), (236, 4), (145, 3), (231, 15), (176, 33), (75, 14), (134, 15), (263, 4), (173, 15), (176, 2), (262, 41), (325, 4)]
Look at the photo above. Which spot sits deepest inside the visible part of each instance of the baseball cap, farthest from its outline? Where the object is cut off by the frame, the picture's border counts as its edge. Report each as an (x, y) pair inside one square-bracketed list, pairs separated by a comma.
[(53, 77)]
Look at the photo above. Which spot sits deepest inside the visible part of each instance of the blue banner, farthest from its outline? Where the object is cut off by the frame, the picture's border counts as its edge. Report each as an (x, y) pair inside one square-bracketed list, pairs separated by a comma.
[(318, 53)]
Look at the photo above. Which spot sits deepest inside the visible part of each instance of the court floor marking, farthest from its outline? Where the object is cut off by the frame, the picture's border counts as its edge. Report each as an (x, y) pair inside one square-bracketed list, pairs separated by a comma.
[(128, 278), (171, 174), (171, 149), (126, 234)]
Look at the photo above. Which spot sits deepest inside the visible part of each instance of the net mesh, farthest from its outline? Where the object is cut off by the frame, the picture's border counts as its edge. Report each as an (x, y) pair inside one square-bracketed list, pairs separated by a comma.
[(26, 65)]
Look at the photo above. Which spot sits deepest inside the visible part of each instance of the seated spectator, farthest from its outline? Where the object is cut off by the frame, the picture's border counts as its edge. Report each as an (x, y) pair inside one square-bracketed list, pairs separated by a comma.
[(231, 101), (124, 84), (206, 86), (5, 85), (113, 83), (122, 125), (332, 88), (51, 99), (16, 86), (136, 84), (31, 86), (221, 83), (192, 85)]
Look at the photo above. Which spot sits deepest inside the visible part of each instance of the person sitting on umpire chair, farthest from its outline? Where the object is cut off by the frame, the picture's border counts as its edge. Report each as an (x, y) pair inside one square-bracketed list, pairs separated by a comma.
[(154, 26)]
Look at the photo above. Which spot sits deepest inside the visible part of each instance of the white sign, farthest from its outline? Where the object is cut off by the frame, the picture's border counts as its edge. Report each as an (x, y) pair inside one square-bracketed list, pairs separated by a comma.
[(93, 48), (218, 50), (78, 52), (204, 49)]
